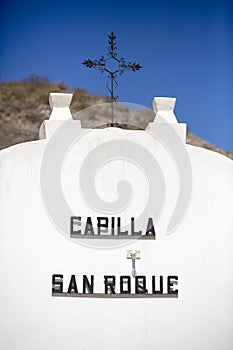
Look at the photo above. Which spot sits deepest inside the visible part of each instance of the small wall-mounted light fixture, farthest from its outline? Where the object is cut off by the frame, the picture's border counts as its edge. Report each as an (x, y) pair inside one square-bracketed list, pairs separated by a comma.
[(133, 255)]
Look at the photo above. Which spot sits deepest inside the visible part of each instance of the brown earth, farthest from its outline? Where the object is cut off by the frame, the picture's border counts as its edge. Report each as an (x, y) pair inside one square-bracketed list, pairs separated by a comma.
[(24, 105)]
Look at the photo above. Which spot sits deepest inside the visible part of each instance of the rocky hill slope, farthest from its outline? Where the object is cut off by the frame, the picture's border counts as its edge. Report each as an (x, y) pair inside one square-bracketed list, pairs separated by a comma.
[(24, 105)]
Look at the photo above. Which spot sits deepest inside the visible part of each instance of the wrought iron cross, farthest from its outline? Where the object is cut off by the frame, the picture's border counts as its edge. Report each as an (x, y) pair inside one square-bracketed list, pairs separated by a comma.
[(122, 66)]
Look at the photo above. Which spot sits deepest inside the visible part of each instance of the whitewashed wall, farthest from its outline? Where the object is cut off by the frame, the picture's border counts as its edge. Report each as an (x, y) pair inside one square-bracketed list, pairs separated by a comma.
[(199, 252)]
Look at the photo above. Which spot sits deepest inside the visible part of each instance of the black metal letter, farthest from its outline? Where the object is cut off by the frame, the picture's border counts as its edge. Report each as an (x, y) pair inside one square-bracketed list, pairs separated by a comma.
[(140, 285), (150, 231), (87, 286), (137, 233), (75, 220), (119, 228), (171, 281), (112, 225), (160, 291), (127, 281), (89, 228), (104, 225), (57, 283), (73, 285), (110, 282)]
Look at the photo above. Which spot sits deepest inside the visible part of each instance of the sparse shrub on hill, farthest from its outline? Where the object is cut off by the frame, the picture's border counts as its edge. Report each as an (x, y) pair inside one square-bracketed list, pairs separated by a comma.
[(25, 104)]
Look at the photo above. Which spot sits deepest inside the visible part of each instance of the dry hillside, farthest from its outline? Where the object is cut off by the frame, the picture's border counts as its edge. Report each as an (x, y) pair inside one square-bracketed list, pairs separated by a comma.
[(24, 105)]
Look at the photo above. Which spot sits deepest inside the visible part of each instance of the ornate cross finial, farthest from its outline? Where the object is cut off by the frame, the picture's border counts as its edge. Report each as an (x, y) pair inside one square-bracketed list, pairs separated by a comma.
[(121, 67)]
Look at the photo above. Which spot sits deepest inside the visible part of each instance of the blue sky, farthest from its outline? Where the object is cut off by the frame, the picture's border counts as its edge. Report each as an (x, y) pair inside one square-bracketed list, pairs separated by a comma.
[(185, 48)]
